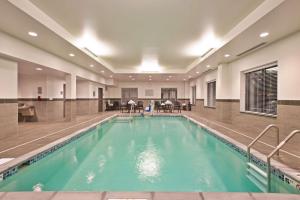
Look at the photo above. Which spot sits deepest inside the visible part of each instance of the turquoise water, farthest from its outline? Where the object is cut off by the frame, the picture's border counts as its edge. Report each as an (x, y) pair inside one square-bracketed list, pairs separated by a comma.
[(149, 154)]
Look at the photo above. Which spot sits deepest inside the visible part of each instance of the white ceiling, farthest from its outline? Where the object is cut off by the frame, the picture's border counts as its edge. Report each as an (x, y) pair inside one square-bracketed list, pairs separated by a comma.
[(129, 30)]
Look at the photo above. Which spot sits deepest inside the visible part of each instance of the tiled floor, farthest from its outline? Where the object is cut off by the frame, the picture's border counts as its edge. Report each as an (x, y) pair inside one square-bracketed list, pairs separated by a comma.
[(292, 160), (34, 135), (143, 196)]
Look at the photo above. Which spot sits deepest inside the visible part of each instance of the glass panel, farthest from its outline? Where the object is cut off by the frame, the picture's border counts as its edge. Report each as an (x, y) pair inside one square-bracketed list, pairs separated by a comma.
[(261, 91), (211, 94)]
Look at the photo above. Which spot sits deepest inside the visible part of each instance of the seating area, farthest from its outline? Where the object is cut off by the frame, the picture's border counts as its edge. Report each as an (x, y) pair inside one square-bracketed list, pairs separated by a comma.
[(140, 106)]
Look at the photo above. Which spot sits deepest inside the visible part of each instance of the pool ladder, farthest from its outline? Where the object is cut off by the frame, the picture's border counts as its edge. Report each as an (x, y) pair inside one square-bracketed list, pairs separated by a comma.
[(261, 178)]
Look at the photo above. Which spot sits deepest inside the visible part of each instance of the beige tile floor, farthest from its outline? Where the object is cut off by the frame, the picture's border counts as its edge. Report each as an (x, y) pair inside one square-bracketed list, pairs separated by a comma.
[(32, 136)]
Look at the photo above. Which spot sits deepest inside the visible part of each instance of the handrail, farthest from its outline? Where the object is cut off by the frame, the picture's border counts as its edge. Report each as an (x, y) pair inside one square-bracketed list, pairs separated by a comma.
[(262, 134), (277, 150)]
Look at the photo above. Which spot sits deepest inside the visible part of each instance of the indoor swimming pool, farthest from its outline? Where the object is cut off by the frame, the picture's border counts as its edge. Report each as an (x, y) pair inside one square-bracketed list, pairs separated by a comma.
[(146, 154)]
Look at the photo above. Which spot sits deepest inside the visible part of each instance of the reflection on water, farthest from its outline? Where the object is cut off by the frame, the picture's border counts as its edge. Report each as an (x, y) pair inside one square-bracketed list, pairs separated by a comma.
[(90, 177), (38, 187), (101, 163), (149, 163)]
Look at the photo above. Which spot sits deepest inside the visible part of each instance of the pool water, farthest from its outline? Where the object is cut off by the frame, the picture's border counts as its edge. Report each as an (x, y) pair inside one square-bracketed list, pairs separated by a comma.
[(148, 154)]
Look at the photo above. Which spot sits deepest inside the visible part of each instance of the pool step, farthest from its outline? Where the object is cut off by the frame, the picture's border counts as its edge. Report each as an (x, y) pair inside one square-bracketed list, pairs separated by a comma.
[(257, 176)]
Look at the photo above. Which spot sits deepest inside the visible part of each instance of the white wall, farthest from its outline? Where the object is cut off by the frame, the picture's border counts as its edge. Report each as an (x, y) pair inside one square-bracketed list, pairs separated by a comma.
[(85, 89), (115, 92), (229, 76), (15, 48), (8, 79), (51, 86), (286, 52)]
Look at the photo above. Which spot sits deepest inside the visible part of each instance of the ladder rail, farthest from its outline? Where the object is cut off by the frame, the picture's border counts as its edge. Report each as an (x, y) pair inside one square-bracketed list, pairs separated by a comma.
[(262, 134), (276, 150)]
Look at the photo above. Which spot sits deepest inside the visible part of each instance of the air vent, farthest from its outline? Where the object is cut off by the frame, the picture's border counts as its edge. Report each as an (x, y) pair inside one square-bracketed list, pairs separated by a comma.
[(207, 52), (252, 49), (91, 52)]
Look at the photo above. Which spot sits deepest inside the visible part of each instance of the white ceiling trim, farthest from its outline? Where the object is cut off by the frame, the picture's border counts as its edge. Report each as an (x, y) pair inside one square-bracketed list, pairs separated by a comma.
[(37, 14), (263, 9)]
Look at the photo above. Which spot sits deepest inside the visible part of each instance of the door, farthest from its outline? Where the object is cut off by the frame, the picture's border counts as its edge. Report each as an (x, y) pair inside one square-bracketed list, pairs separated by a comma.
[(100, 99), (64, 99)]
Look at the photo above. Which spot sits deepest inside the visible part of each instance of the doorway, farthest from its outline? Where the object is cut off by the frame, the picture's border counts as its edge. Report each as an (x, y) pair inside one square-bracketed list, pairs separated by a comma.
[(100, 99)]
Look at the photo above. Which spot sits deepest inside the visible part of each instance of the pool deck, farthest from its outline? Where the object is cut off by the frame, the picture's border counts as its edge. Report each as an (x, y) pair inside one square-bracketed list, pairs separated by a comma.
[(32, 136), (144, 196)]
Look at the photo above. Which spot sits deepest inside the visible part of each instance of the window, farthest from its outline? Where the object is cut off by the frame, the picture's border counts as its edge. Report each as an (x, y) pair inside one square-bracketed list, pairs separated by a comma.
[(211, 94), (194, 95), (129, 94), (169, 93), (261, 91)]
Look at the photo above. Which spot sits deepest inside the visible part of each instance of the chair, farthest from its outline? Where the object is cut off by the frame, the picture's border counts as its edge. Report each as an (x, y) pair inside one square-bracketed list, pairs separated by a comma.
[(177, 106), (108, 106), (124, 106), (140, 106), (158, 106), (116, 105)]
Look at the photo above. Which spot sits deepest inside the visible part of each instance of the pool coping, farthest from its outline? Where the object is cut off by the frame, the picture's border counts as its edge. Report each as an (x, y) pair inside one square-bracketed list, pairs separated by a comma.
[(281, 171)]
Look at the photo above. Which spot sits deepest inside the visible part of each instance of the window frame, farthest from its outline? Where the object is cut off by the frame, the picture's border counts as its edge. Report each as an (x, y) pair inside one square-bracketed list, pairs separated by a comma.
[(247, 94), (169, 90)]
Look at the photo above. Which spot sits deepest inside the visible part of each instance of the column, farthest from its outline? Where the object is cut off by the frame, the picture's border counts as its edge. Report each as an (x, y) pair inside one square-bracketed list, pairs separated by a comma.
[(8, 98)]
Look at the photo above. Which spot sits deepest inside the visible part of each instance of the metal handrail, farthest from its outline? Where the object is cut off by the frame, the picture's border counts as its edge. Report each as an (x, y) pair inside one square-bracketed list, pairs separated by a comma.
[(275, 151), (262, 134)]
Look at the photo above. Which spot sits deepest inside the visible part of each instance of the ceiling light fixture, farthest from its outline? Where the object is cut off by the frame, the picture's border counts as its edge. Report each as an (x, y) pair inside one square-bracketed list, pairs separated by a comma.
[(226, 55), (71, 54), (91, 65), (33, 34), (264, 34), (208, 66), (150, 64), (197, 72), (38, 69)]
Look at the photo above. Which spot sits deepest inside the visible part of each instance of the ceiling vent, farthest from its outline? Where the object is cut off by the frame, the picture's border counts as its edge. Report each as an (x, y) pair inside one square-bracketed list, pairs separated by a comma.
[(207, 52), (252, 49), (91, 52)]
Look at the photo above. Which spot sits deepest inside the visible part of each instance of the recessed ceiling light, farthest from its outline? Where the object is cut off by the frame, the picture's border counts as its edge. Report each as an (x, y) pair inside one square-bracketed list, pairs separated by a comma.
[(207, 66), (102, 71), (33, 34), (264, 34), (71, 54), (197, 72), (226, 55), (91, 65), (38, 69)]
